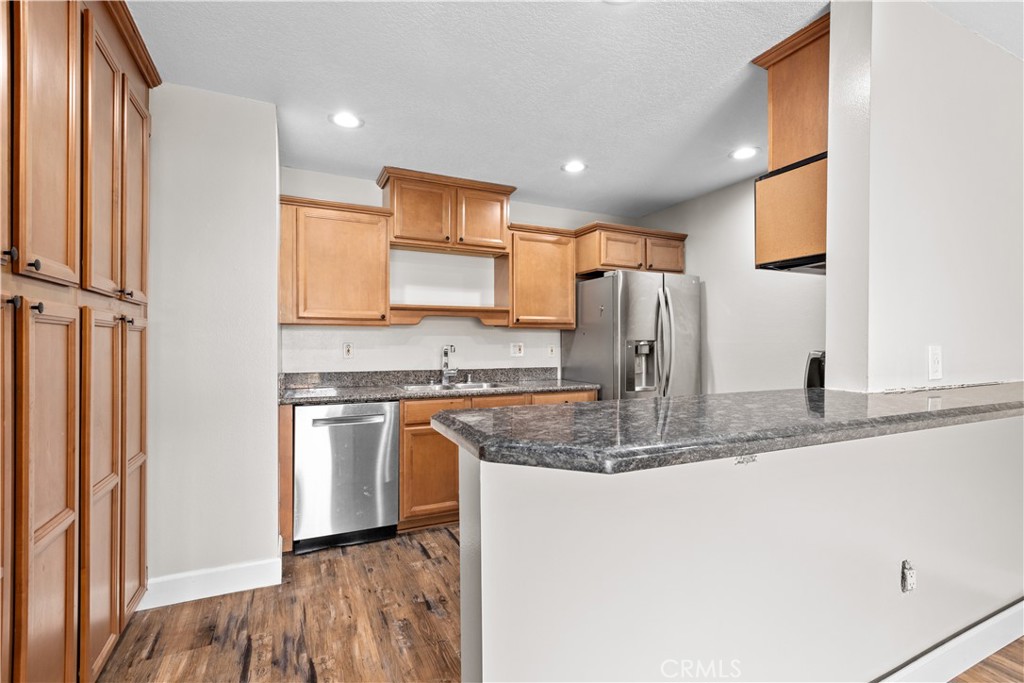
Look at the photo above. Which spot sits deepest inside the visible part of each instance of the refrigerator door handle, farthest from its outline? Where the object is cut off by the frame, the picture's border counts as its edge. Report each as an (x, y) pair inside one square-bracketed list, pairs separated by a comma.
[(661, 342), (671, 350)]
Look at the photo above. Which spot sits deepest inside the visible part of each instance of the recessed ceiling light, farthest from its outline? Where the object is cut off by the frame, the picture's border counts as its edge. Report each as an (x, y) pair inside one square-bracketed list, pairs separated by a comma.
[(346, 119), (574, 166), (743, 153)]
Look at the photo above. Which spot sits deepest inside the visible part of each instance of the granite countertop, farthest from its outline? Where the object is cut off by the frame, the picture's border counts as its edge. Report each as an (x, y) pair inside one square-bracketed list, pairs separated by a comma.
[(622, 436), (367, 387)]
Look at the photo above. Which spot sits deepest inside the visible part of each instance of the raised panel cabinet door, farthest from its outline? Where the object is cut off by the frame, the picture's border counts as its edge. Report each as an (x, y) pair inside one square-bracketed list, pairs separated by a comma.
[(798, 105), (423, 211), (286, 267), (482, 218), (46, 493), (46, 140), (665, 255), (100, 607), (133, 467), (341, 260), (429, 476), (101, 162), (621, 250), (7, 423), (789, 216), (135, 196), (5, 130), (543, 280)]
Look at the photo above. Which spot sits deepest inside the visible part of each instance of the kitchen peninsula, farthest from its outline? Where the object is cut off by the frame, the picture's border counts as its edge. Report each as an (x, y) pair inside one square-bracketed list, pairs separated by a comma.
[(759, 536)]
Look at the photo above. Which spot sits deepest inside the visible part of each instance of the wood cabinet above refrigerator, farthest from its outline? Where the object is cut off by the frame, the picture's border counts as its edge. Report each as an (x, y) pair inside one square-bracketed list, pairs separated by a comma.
[(790, 199)]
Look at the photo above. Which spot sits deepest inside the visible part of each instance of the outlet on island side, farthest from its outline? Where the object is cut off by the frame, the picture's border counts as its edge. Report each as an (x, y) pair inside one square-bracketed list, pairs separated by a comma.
[(934, 362), (518, 349), (347, 350)]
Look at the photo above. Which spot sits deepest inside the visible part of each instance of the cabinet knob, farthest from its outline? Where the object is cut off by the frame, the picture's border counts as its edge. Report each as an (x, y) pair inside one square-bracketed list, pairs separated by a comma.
[(14, 301), (127, 320), (383, 316), (462, 239), (639, 265), (38, 307), (13, 253), (127, 292), (35, 264), (650, 265), (517, 319), (447, 238)]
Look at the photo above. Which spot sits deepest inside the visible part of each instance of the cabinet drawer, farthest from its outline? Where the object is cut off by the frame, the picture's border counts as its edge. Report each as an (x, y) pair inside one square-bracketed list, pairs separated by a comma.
[(501, 401), (420, 412), (563, 397)]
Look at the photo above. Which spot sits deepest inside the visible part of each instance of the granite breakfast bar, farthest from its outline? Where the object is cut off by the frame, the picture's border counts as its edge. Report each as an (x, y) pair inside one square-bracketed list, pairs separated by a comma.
[(753, 536)]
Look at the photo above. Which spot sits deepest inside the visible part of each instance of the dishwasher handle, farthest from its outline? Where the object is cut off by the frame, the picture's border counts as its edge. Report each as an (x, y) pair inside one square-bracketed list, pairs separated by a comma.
[(350, 420)]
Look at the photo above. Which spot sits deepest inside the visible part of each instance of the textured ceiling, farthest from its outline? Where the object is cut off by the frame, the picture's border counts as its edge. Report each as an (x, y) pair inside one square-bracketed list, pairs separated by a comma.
[(652, 96), (1000, 22)]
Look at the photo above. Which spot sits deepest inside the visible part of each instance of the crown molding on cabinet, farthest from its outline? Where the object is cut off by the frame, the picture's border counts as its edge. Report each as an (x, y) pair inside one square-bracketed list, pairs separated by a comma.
[(389, 172), (133, 39), (630, 229), (806, 35), (338, 206)]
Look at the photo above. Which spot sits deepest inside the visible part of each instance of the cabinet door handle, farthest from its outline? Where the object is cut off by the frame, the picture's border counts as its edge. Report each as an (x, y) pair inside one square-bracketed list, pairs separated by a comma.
[(650, 265), (462, 239), (127, 292), (38, 307), (447, 238), (35, 264), (127, 320), (13, 253), (517, 319), (383, 316), (14, 301), (639, 265)]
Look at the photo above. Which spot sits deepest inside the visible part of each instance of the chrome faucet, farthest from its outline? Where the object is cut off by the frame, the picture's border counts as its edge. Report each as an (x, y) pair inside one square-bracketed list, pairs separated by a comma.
[(447, 375)]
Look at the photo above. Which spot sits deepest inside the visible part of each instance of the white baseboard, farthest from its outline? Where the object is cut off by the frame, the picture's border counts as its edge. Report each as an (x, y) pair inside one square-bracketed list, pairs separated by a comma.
[(206, 583), (948, 661)]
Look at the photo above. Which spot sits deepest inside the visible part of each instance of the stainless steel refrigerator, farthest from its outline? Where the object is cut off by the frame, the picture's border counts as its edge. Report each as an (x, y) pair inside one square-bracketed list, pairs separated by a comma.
[(637, 335)]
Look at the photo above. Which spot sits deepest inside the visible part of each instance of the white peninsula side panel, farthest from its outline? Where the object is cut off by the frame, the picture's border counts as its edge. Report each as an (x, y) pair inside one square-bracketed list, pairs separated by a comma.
[(785, 568)]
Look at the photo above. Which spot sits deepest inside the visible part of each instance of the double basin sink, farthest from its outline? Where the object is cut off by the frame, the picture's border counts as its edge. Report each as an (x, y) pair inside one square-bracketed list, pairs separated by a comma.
[(460, 386)]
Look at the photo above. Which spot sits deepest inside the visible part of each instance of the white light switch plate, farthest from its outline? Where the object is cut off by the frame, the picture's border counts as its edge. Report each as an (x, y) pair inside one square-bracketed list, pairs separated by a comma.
[(347, 350), (518, 349), (934, 362)]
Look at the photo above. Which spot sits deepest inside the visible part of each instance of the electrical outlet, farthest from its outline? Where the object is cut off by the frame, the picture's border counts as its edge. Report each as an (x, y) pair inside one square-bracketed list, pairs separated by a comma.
[(908, 577), (518, 349), (934, 362), (551, 351), (347, 350)]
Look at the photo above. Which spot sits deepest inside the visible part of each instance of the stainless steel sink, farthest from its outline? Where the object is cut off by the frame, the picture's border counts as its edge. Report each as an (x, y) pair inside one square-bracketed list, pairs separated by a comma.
[(452, 387)]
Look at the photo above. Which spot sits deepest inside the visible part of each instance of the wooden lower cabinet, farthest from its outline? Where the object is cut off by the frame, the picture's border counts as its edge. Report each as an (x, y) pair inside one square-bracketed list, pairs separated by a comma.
[(429, 466), (133, 466), (7, 423), (563, 397), (46, 493), (100, 609)]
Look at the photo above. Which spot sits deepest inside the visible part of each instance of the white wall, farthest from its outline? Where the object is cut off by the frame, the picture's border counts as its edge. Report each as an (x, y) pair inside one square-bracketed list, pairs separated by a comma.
[(317, 348), (421, 278), (945, 226), (212, 346), (758, 325)]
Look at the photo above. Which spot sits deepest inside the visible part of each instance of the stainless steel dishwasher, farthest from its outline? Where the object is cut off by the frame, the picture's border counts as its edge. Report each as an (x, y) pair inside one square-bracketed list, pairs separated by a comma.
[(346, 474)]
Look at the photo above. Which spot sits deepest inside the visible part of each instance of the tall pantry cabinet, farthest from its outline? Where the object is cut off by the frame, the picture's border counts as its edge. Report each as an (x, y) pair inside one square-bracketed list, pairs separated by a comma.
[(74, 128)]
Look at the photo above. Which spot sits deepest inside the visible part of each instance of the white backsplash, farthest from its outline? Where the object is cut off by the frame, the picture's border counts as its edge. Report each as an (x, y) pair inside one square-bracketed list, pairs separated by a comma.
[(318, 348)]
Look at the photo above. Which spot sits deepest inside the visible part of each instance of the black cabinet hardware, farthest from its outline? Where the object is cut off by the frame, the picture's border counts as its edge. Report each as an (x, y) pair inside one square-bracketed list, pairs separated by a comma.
[(38, 307), (14, 301), (13, 253)]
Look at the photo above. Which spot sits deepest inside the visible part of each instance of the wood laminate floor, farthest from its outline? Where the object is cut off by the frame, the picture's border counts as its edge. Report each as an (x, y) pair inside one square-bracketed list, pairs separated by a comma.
[(1005, 666), (377, 612)]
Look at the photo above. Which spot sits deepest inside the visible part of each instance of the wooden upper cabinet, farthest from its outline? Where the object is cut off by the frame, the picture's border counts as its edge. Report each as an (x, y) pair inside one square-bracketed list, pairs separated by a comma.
[(606, 246), (482, 218), (341, 266), (442, 213), (790, 200), (46, 140), (797, 95), (46, 482), (790, 209), (135, 202), (543, 279), (133, 468), (100, 609), (5, 133), (423, 211), (666, 255), (101, 161)]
